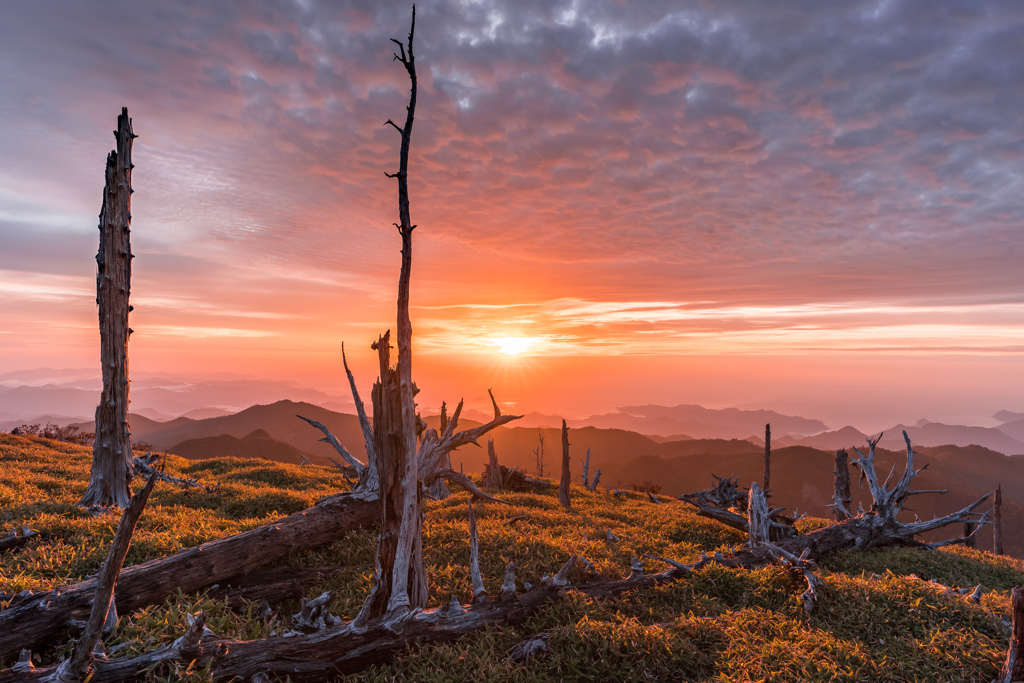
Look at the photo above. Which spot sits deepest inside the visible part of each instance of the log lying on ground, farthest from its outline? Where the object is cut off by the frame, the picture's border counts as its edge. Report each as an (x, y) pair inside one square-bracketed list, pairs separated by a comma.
[(41, 619), (516, 480), (16, 540), (273, 585)]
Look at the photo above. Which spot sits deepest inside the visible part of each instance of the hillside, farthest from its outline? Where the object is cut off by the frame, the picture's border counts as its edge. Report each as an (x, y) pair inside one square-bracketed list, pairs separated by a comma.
[(258, 444), (718, 625)]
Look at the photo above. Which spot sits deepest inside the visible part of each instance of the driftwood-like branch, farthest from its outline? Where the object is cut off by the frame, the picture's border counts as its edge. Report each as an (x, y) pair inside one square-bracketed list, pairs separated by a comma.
[(16, 540), (1013, 667), (75, 667), (42, 618), (479, 593), (803, 567), (372, 479), (352, 460), (146, 466), (597, 478)]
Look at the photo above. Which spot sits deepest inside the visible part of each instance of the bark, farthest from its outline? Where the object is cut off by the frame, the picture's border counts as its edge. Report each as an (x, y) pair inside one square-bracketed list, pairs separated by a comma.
[(493, 471), (997, 521), (110, 479), (841, 498), (1013, 668), (758, 520), (767, 457), (271, 585), (78, 664), (970, 540), (42, 618), (597, 478), (538, 454), (399, 576), (586, 470), (564, 495)]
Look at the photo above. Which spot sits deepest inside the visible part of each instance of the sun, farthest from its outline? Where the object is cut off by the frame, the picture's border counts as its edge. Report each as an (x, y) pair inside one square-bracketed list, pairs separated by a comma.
[(513, 346)]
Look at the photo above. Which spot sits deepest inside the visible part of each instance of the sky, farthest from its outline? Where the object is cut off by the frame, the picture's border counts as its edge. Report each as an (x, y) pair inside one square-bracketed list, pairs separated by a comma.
[(805, 206)]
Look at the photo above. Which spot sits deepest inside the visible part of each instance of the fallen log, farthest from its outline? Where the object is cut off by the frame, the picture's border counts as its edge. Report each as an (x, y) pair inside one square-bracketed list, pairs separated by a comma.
[(272, 585), (41, 619)]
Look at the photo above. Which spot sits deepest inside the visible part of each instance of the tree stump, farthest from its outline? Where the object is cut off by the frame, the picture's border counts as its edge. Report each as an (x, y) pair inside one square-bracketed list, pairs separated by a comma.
[(564, 496)]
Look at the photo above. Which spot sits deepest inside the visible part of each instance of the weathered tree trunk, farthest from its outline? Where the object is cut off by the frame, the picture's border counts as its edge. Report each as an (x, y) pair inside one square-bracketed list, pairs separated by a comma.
[(563, 488), (758, 519), (970, 540), (997, 521), (492, 474), (767, 457), (842, 499), (400, 576), (586, 470), (110, 481), (1013, 668), (40, 619)]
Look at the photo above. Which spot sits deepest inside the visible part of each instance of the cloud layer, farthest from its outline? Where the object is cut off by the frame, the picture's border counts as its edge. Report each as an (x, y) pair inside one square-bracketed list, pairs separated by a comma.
[(661, 178)]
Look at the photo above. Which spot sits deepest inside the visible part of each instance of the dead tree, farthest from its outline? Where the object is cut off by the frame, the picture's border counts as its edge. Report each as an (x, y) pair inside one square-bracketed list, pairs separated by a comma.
[(841, 498), (767, 456), (586, 470), (563, 488), (970, 540), (400, 577), (110, 480), (538, 453), (1013, 668), (492, 472), (997, 521)]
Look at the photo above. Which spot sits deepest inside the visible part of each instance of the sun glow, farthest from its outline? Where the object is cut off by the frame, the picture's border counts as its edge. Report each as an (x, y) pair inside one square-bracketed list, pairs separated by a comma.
[(513, 346)]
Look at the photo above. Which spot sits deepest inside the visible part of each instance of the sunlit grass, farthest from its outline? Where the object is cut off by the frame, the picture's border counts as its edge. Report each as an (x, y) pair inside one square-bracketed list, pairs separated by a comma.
[(879, 620)]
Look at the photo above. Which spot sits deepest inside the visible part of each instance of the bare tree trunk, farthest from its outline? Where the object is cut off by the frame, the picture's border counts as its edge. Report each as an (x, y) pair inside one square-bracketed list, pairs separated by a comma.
[(538, 453), (758, 517), (970, 540), (997, 521), (1013, 668), (767, 457), (110, 481), (586, 470), (563, 488), (400, 582), (493, 474), (842, 499)]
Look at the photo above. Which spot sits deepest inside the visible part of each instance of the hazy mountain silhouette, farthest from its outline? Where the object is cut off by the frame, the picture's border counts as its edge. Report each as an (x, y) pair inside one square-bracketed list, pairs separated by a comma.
[(701, 423), (257, 444), (927, 434)]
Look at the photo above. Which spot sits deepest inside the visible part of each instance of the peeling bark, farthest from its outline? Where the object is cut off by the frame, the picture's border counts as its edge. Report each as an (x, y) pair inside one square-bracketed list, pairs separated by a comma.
[(841, 498), (492, 471), (1013, 667), (110, 479)]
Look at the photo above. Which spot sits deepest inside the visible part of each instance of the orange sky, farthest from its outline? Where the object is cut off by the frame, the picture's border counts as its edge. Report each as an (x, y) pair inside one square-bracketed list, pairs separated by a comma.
[(696, 205)]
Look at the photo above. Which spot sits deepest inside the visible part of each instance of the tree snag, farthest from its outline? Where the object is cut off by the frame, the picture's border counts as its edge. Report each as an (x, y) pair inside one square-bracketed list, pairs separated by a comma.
[(538, 453), (563, 488), (767, 457), (841, 498), (492, 471), (110, 479), (997, 521)]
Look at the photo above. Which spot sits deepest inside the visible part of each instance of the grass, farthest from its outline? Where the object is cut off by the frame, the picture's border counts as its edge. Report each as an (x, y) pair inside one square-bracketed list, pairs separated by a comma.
[(880, 618)]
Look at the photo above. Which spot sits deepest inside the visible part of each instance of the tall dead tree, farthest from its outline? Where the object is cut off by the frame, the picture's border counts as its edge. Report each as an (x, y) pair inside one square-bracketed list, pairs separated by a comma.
[(110, 481), (767, 456), (997, 521), (405, 466), (563, 488)]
